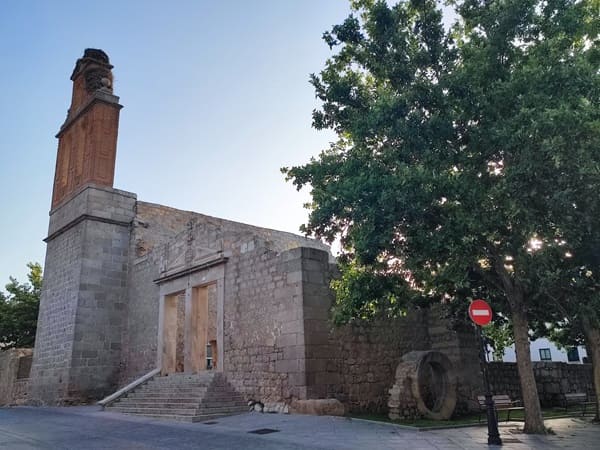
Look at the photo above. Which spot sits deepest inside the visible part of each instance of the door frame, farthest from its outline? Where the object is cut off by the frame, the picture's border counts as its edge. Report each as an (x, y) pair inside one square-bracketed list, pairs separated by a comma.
[(186, 283)]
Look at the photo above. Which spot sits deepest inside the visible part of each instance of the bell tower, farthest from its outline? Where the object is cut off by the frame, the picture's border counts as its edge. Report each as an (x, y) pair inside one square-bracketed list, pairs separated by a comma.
[(81, 318), (87, 141)]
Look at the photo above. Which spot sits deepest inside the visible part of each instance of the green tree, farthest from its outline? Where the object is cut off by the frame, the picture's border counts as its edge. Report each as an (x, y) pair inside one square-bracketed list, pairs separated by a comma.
[(19, 310), (499, 335), (574, 318), (460, 151)]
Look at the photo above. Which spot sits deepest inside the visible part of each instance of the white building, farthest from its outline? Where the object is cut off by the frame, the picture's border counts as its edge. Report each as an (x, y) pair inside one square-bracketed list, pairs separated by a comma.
[(545, 350)]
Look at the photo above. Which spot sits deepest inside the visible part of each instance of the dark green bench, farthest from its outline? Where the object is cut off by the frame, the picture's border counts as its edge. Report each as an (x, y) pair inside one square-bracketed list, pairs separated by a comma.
[(501, 403), (577, 399)]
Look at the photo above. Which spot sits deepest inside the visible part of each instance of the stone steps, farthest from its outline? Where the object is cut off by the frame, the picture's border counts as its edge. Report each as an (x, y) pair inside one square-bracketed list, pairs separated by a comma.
[(162, 397), (178, 411), (170, 390), (155, 411), (186, 397), (198, 418), (183, 382), (180, 394), (177, 387), (170, 403), (141, 401), (192, 389)]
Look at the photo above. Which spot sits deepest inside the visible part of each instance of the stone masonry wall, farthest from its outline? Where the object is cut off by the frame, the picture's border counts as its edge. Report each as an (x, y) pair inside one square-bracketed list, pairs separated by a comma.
[(279, 344), (259, 293), (56, 317), (322, 378), (152, 227), (264, 336), (13, 379), (354, 363), (21, 391), (367, 355), (458, 341), (78, 341), (552, 378)]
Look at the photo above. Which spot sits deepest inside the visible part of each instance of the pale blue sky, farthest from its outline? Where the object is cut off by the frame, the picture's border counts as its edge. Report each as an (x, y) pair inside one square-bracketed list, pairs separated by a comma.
[(216, 99)]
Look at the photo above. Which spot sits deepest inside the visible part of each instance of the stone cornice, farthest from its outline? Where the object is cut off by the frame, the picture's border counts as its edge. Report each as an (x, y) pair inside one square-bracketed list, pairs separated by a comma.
[(82, 218), (217, 260), (97, 97)]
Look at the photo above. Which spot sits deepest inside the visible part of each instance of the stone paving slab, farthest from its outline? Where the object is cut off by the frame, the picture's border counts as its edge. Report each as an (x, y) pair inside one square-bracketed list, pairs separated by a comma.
[(26, 428), (572, 433)]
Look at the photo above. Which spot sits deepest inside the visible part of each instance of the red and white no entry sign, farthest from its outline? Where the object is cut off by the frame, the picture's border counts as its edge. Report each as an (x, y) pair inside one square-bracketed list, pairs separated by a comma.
[(480, 312)]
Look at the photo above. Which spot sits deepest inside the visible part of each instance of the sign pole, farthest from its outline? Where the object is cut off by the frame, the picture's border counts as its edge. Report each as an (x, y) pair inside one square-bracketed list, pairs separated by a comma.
[(481, 315), (492, 418)]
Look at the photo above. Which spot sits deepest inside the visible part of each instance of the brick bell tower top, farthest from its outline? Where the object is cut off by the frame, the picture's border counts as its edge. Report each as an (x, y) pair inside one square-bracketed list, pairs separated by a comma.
[(87, 141)]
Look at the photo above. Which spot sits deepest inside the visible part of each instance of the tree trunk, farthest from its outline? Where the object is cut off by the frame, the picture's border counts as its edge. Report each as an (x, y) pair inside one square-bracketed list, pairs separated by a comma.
[(592, 340), (534, 422)]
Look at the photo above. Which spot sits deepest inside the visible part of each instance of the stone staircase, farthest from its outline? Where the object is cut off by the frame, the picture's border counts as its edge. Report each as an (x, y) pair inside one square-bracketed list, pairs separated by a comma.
[(185, 397)]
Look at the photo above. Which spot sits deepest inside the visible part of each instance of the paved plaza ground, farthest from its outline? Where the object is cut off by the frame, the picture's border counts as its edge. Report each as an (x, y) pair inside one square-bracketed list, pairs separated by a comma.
[(90, 428)]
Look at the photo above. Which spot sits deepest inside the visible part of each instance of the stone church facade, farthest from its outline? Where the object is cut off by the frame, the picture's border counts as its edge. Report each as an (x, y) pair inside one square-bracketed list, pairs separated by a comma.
[(131, 286)]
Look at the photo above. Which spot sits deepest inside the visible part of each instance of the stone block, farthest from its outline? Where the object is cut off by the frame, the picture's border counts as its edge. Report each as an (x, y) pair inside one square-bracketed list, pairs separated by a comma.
[(294, 253), (289, 314), (316, 365), (297, 392), (295, 277), (314, 277), (315, 326), (316, 391), (317, 338), (293, 352), (327, 378), (287, 340), (314, 265), (292, 327), (297, 379), (293, 265), (288, 365), (322, 351), (320, 312), (315, 254)]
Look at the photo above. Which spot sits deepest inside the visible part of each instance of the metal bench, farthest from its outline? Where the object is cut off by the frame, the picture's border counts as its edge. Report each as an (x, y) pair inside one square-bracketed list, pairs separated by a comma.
[(501, 403), (577, 398)]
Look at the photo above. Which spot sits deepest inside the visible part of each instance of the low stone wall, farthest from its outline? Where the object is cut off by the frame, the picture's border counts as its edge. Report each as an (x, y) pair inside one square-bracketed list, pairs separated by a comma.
[(553, 380), (20, 391), (14, 372), (367, 355), (356, 363)]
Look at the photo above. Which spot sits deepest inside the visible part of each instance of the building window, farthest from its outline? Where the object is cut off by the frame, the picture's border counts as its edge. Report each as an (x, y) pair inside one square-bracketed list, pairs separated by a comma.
[(573, 354), (545, 354)]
